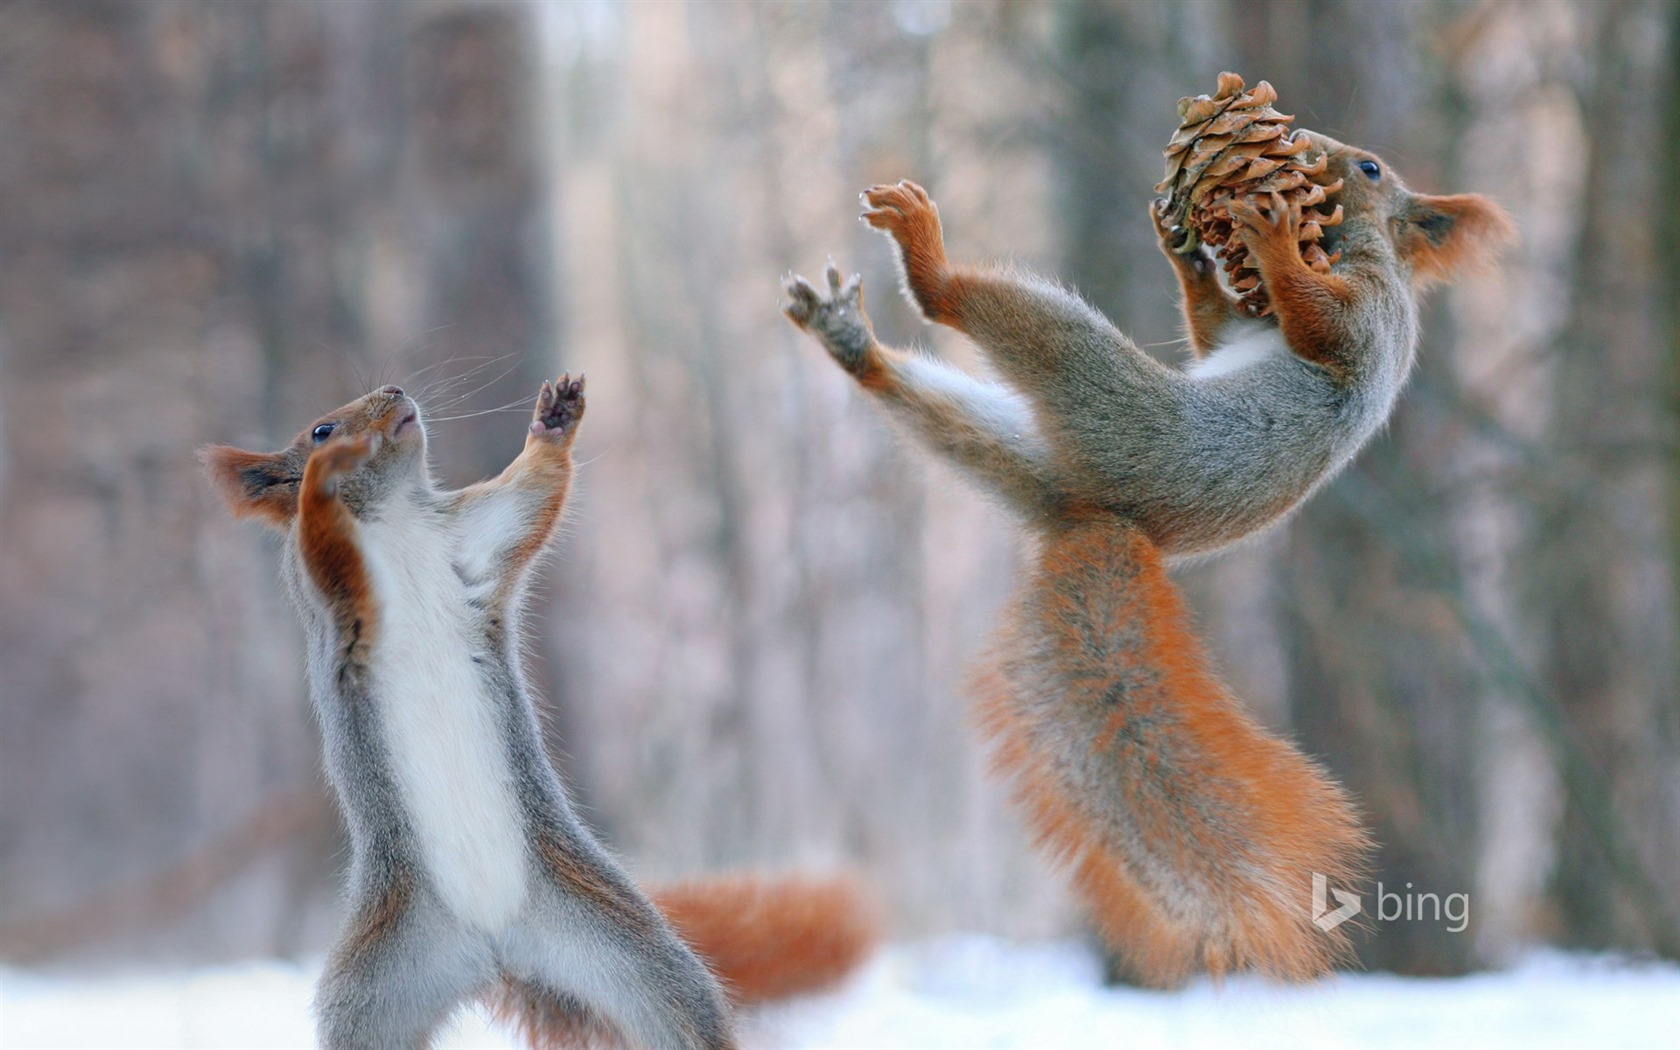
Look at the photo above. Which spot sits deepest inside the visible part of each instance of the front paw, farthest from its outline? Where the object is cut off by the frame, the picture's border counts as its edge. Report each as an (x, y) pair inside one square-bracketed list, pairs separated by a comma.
[(341, 455), (905, 212), (1175, 240), (837, 319), (1180, 245), (559, 408), (1272, 232)]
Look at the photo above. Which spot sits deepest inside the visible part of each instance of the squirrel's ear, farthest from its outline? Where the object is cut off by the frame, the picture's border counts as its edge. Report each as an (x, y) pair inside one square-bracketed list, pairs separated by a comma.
[(1441, 236), (260, 485)]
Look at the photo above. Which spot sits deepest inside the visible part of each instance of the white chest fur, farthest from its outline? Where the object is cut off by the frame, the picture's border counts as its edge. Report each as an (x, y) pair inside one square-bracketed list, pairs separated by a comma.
[(1249, 342), (447, 754)]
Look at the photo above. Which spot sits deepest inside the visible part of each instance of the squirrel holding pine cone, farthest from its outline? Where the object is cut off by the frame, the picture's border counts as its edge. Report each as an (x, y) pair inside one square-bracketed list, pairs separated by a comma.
[(1192, 833)]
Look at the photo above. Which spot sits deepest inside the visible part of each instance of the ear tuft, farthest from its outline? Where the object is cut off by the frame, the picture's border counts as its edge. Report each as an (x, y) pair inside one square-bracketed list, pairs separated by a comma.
[(1443, 236), (259, 485)]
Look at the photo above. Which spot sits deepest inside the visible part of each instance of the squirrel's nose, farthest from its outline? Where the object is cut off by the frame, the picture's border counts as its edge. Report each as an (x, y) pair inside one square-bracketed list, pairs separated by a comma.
[(392, 392)]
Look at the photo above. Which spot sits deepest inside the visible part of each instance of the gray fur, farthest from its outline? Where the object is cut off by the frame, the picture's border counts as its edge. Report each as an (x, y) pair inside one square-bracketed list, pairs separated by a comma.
[(399, 972), (1196, 462), (1135, 764)]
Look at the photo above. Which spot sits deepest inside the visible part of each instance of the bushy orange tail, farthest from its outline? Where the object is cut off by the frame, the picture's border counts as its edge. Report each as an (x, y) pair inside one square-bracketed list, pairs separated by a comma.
[(1192, 833), (769, 938), (764, 938)]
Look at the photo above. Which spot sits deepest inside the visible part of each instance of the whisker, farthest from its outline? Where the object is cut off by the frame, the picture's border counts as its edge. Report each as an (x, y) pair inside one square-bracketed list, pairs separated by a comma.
[(599, 455), (346, 371), (457, 399), (1180, 342), (448, 384), (511, 406), (485, 361)]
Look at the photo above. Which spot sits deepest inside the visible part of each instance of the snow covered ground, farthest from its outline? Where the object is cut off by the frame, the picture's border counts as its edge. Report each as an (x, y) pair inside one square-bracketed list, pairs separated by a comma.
[(965, 992)]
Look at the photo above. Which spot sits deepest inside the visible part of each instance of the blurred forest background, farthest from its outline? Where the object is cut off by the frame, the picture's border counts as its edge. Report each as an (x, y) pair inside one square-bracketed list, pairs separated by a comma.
[(219, 219)]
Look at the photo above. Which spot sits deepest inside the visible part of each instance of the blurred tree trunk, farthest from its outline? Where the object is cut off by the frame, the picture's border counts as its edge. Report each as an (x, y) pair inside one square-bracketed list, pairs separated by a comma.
[(1667, 236), (471, 205), (1610, 652), (205, 233), (1122, 65), (1379, 680), (771, 660), (133, 627), (217, 220)]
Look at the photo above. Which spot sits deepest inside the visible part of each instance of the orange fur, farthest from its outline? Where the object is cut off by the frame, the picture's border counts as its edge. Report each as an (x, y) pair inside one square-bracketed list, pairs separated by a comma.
[(260, 486), (1206, 310), (763, 938), (547, 1022), (326, 536), (1197, 845), (874, 374), (373, 924), (905, 211), (768, 938), (544, 467), (1311, 308), (1206, 306), (1192, 833), (583, 878), (1326, 318), (1443, 235)]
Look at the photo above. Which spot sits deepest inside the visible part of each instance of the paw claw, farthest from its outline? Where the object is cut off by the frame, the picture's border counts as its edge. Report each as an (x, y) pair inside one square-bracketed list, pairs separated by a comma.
[(1267, 227), (881, 218), (1177, 241), (802, 299), (837, 319), (905, 212), (559, 407)]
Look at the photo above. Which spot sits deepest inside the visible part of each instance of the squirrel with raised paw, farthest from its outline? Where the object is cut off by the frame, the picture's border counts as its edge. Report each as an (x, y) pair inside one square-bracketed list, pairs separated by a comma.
[(1192, 833), (471, 876)]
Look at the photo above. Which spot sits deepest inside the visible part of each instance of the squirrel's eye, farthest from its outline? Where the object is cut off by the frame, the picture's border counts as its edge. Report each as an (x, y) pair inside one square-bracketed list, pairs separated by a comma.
[(1369, 167), (322, 432)]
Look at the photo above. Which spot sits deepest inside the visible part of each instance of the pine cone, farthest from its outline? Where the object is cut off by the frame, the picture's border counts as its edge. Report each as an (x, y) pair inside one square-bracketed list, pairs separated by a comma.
[(1232, 145)]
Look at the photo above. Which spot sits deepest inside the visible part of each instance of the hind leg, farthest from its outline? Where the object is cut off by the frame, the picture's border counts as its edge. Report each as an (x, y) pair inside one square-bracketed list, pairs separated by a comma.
[(399, 970), (585, 972), (591, 952)]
